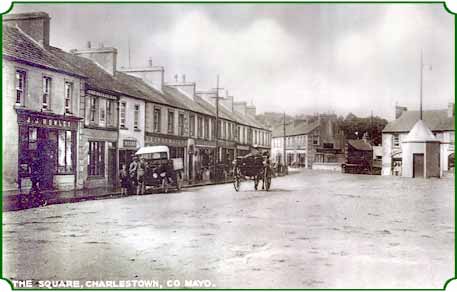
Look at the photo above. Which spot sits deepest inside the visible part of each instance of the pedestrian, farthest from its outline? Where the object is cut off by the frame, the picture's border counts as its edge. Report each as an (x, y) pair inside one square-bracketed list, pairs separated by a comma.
[(140, 177), (36, 177), (133, 167), (124, 177)]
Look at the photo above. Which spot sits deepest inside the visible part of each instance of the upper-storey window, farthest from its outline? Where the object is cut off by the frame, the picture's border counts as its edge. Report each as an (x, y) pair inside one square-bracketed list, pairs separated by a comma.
[(181, 124), (396, 140), (206, 128), (122, 114), (20, 86), (68, 96), (46, 92), (136, 117), (192, 125), (171, 122), (157, 120), (199, 127)]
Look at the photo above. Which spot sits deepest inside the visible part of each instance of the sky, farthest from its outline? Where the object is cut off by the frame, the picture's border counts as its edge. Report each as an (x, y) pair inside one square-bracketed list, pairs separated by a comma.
[(297, 58)]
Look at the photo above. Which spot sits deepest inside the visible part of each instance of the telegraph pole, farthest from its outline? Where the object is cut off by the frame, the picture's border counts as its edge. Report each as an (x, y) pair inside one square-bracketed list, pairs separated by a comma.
[(422, 69), (284, 144), (216, 151)]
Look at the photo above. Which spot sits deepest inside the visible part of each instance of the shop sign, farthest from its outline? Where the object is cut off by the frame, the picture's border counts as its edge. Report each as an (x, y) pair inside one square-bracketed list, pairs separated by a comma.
[(129, 143)]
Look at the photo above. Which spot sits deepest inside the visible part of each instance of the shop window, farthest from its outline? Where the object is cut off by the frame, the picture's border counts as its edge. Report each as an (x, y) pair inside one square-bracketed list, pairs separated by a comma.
[(65, 152), (96, 165), (157, 120), (46, 92), (20, 86), (68, 96), (122, 115)]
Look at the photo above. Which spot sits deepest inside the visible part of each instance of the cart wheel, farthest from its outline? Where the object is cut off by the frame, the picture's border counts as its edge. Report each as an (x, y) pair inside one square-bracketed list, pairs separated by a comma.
[(236, 183)]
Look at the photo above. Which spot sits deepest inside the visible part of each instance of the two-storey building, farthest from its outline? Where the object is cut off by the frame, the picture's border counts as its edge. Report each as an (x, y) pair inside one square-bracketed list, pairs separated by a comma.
[(41, 106), (315, 142)]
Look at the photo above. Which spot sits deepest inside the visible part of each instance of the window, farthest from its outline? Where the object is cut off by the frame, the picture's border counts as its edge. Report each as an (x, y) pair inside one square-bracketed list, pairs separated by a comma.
[(315, 140), (136, 116), (110, 112), (181, 124), (20, 87), (68, 96), (157, 120), (206, 128), (65, 154), (46, 92), (219, 128), (199, 127), (451, 137), (171, 122), (96, 166), (102, 111), (93, 108), (192, 125), (122, 115), (230, 132), (396, 140)]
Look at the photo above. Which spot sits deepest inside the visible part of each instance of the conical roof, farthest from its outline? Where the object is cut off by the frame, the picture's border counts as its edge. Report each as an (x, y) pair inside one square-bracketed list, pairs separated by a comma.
[(420, 133)]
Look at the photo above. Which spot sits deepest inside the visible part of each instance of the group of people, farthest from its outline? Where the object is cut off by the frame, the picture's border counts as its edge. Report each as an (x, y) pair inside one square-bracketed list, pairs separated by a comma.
[(132, 178)]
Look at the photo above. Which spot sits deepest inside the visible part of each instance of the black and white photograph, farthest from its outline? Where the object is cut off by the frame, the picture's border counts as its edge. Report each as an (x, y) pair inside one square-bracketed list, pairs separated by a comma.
[(228, 145)]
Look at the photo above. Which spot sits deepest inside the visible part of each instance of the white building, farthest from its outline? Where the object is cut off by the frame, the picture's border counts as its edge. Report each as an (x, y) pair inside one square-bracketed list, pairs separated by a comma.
[(440, 123)]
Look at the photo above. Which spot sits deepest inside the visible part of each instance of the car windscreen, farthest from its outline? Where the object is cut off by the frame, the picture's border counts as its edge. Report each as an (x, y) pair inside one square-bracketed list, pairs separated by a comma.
[(155, 155)]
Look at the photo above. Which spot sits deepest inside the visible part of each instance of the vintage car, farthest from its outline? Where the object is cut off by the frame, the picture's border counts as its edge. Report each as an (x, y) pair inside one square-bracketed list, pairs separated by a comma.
[(160, 171)]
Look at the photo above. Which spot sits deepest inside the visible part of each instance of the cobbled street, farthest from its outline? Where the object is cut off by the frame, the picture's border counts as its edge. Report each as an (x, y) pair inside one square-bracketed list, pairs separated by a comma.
[(314, 229)]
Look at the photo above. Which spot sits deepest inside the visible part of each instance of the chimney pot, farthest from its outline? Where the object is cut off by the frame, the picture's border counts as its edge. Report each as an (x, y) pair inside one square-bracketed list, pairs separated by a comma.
[(88, 44), (150, 62), (184, 78)]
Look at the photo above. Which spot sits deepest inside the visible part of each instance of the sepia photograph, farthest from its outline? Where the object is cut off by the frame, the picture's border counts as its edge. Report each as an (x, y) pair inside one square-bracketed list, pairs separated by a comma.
[(228, 145)]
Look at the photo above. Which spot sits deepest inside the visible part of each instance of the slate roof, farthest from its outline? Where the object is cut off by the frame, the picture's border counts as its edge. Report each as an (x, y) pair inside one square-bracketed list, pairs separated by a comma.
[(22, 48), (436, 120), (184, 101), (292, 130), (360, 144), (120, 83)]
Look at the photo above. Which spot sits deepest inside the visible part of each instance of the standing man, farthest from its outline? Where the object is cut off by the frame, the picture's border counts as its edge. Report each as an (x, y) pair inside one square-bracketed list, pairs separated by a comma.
[(133, 173)]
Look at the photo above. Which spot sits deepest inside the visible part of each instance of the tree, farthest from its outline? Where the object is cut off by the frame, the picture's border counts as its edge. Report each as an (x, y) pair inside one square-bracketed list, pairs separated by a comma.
[(355, 127)]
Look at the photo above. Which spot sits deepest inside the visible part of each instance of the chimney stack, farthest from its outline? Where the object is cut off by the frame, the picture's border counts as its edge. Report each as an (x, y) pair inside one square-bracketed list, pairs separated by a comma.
[(34, 24), (251, 111), (88, 44), (227, 102), (105, 57), (240, 107), (153, 75)]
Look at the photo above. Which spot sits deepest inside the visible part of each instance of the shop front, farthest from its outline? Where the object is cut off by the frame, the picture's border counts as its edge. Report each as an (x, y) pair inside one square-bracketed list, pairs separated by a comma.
[(47, 142), (127, 150), (203, 158)]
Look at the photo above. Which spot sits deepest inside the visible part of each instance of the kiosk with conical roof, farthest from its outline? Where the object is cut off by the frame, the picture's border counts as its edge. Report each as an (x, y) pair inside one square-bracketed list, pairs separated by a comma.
[(421, 152)]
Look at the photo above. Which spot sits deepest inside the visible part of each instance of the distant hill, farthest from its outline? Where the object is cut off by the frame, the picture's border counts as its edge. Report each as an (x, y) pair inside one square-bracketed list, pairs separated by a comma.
[(271, 119)]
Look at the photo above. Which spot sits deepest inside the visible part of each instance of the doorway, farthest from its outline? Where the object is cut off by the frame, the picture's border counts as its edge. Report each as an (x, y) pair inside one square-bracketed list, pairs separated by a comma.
[(418, 165), (112, 167)]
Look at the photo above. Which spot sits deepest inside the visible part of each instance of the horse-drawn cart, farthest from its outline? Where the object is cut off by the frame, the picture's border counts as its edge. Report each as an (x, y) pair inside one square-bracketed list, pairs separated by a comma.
[(252, 167)]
